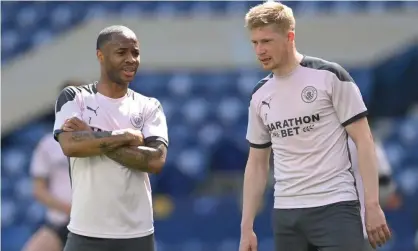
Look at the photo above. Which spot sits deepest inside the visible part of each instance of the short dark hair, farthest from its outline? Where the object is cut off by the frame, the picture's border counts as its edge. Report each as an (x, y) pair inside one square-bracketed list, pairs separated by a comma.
[(106, 34)]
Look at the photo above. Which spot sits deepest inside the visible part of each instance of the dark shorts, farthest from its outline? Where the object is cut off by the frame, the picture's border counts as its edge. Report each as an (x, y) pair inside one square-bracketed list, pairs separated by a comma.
[(60, 230), (77, 242), (334, 227)]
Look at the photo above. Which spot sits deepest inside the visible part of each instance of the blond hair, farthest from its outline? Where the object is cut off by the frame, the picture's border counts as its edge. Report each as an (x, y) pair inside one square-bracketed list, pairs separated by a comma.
[(270, 13)]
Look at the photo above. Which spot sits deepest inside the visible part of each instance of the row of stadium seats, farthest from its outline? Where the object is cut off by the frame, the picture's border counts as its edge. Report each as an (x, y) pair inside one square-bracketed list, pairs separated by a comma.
[(213, 85), (28, 24)]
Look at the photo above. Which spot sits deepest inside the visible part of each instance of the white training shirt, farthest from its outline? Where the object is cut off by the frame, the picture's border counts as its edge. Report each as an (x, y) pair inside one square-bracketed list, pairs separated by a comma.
[(50, 163), (302, 116), (110, 200), (384, 169)]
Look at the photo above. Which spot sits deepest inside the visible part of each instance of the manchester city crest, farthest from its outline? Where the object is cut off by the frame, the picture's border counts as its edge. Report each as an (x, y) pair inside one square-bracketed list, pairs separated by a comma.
[(309, 94), (137, 121)]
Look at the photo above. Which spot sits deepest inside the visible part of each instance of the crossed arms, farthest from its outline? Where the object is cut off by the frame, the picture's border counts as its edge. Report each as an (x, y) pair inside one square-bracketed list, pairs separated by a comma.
[(126, 147)]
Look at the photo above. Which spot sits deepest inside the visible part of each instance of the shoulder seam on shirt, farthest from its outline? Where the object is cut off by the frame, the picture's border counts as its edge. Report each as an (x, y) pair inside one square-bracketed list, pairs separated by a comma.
[(261, 83), (138, 95), (93, 87), (321, 64), (88, 88), (68, 94)]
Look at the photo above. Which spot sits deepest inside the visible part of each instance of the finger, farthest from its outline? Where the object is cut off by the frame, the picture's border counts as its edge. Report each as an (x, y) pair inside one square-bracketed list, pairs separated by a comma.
[(67, 129), (82, 125), (75, 118), (72, 124), (376, 238), (382, 236), (387, 232), (77, 121), (254, 247), (66, 121), (243, 247), (371, 239)]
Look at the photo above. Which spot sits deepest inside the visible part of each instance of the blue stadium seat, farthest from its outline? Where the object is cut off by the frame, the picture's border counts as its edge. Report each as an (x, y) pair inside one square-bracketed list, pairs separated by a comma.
[(308, 8), (202, 8), (210, 134), (407, 181), (14, 162), (231, 244), (228, 156), (61, 17), (14, 237), (31, 136), (408, 132), (214, 83), (23, 189), (180, 135), (32, 20), (363, 78), (180, 85), (169, 107), (94, 11), (34, 213), (395, 153), (195, 111), (230, 110), (149, 83), (8, 212), (192, 162)]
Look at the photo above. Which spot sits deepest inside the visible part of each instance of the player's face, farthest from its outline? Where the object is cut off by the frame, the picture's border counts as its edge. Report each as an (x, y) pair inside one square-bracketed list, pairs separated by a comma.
[(122, 58), (271, 46)]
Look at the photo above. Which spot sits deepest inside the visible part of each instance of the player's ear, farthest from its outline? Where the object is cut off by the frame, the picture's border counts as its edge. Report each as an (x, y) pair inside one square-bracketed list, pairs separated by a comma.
[(100, 56), (291, 36)]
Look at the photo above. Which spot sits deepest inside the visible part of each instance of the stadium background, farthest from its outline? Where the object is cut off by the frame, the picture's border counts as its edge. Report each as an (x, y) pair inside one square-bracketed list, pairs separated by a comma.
[(197, 60)]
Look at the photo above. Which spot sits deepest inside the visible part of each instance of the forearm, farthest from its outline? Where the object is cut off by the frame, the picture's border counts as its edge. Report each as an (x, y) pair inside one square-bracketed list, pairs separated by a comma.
[(51, 202), (255, 180), (89, 143), (148, 159), (369, 172)]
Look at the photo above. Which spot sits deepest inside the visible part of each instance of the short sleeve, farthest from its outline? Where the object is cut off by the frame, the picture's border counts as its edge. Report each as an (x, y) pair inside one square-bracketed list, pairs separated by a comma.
[(346, 98), (40, 165), (257, 134), (155, 125), (66, 106)]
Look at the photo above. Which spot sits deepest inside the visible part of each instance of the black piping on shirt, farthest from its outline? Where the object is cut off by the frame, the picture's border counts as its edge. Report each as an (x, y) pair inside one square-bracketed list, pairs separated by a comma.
[(260, 146), (355, 118)]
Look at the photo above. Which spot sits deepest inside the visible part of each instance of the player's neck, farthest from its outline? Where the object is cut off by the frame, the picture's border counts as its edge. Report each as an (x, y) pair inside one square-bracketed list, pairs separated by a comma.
[(111, 89), (292, 63)]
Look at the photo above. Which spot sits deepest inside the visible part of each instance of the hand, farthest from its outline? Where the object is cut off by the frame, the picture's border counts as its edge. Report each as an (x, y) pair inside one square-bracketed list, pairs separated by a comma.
[(75, 124), (376, 226), (135, 137), (248, 241)]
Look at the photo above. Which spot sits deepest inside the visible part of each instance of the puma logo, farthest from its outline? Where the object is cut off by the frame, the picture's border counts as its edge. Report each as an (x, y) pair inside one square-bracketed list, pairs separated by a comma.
[(267, 103), (93, 110)]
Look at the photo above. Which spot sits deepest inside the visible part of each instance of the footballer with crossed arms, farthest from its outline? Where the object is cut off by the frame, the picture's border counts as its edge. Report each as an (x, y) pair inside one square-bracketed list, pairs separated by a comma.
[(113, 137)]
